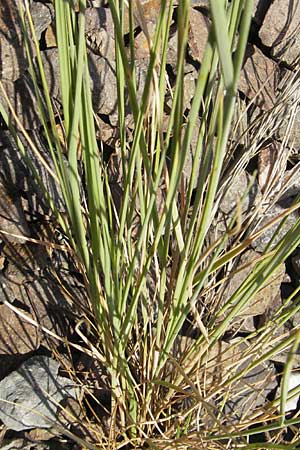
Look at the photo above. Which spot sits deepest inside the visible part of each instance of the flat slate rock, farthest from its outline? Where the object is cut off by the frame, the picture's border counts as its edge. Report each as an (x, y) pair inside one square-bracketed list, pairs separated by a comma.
[(280, 31), (258, 80), (29, 395), (272, 213)]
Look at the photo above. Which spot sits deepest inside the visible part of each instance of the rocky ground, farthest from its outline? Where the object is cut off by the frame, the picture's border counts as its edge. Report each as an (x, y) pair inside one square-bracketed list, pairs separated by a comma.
[(40, 283)]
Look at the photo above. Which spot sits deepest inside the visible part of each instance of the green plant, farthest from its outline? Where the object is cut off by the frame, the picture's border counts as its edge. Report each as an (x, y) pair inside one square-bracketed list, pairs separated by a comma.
[(147, 264)]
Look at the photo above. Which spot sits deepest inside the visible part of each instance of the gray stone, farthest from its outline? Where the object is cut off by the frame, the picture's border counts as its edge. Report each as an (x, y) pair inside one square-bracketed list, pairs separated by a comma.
[(17, 335), (97, 18), (172, 51), (42, 16), (260, 243), (250, 392), (293, 382), (51, 68), (258, 80), (29, 395), (13, 54), (234, 189), (14, 445), (12, 218), (16, 175), (25, 444), (263, 300), (198, 34), (280, 31), (21, 95)]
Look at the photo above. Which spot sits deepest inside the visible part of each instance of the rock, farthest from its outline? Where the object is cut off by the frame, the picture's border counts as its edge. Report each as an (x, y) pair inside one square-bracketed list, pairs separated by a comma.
[(141, 47), (39, 434), (258, 80), (262, 300), (12, 218), (198, 34), (104, 85), (42, 15), (43, 301), (29, 395), (294, 136), (214, 362), (17, 176), (149, 12), (267, 158), (234, 189), (27, 444), (260, 243), (101, 43), (51, 68), (250, 392), (189, 161), (171, 57), (97, 18), (22, 97), (13, 54), (16, 444), (50, 37), (293, 381), (189, 84), (280, 31), (17, 336)]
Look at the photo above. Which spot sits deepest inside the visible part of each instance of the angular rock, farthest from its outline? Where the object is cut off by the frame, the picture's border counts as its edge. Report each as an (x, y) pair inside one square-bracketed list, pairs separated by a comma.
[(41, 300), (250, 392), (198, 34), (293, 382), (50, 37), (104, 85), (260, 243), (97, 18), (16, 444), (13, 54), (189, 84), (29, 395), (294, 137), (21, 95), (235, 191), (280, 31), (16, 175), (258, 80), (172, 53), (190, 158), (51, 68), (141, 46), (266, 161), (262, 300), (149, 12), (12, 218), (17, 335), (42, 15), (101, 43)]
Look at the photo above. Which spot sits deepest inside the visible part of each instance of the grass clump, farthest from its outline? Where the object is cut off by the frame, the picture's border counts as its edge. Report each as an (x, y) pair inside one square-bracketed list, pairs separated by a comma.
[(152, 265)]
